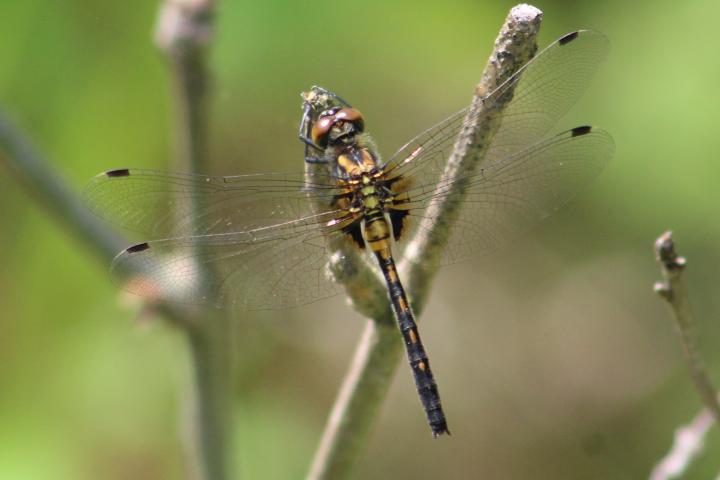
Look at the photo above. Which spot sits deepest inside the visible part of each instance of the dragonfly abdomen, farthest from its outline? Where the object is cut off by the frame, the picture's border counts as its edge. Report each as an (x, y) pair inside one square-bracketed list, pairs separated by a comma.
[(377, 231), (419, 363)]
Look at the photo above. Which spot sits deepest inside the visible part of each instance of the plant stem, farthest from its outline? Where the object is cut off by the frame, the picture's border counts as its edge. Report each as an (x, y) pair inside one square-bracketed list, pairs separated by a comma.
[(211, 351), (674, 291), (379, 350), (184, 31), (514, 46), (34, 171), (361, 394)]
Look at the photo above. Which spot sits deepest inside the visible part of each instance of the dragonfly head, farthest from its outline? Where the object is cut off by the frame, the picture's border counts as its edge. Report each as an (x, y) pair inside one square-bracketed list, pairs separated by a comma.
[(337, 126)]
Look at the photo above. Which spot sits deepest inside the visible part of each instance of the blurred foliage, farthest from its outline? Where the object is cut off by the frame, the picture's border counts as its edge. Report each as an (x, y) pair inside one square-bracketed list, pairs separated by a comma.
[(554, 358)]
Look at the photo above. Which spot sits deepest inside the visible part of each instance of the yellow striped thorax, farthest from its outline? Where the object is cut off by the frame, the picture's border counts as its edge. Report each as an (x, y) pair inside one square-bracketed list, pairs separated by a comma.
[(356, 161)]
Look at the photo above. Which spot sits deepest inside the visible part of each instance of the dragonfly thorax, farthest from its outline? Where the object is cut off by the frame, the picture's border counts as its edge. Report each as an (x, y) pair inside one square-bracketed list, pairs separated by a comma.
[(355, 163)]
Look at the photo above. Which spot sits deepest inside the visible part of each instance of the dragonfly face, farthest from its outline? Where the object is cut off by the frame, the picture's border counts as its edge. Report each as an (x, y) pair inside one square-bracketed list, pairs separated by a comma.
[(337, 128), (262, 241)]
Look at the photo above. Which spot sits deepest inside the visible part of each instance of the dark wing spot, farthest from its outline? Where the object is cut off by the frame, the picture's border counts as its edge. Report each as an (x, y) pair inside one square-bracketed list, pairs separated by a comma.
[(577, 131), (568, 38), (355, 232), (397, 218), (121, 172), (140, 247)]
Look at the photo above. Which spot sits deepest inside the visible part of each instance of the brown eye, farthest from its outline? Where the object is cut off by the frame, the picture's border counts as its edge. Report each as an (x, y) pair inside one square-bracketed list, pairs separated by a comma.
[(353, 116), (321, 128)]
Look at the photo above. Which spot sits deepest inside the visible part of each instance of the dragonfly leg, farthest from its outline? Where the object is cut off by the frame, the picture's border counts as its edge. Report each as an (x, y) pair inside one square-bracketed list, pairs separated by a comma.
[(316, 160), (306, 127), (313, 158)]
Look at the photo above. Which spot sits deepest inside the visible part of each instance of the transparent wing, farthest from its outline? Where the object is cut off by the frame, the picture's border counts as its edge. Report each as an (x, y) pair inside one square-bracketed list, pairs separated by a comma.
[(162, 204), (508, 197), (256, 241), (534, 99), (273, 267)]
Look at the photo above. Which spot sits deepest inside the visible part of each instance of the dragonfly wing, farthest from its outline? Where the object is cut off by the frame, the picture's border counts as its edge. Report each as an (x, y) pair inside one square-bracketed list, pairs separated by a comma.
[(163, 204), (277, 267), (533, 101), (538, 95), (507, 198)]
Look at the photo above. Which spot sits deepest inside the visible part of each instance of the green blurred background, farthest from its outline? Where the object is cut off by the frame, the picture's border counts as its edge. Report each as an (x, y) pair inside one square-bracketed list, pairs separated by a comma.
[(554, 357)]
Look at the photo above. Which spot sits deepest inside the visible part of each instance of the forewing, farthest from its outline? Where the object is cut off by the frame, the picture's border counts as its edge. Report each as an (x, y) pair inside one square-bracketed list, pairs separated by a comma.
[(163, 204), (508, 197)]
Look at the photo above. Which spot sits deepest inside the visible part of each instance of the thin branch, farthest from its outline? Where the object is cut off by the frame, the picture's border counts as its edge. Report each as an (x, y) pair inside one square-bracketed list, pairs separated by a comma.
[(211, 403), (379, 350), (673, 290), (34, 171), (687, 445), (184, 31)]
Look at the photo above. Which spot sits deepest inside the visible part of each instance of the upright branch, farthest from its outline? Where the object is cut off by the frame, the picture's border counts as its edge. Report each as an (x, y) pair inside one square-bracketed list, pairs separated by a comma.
[(673, 290), (184, 31), (379, 350)]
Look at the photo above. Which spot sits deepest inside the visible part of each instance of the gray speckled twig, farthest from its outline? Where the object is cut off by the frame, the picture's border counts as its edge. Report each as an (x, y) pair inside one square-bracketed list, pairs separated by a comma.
[(674, 291), (380, 349), (514, 46)]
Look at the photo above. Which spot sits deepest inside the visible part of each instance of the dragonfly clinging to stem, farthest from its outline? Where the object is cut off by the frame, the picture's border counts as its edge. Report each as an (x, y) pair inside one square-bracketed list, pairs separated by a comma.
[(261, 241)]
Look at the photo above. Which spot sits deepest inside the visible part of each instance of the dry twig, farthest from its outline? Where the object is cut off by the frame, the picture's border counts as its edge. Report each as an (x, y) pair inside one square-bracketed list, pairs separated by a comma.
[(689, 439), (674, 291)]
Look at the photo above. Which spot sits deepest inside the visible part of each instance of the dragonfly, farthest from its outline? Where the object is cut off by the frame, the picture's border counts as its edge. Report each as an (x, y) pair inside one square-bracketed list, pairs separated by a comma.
[(263, 241)]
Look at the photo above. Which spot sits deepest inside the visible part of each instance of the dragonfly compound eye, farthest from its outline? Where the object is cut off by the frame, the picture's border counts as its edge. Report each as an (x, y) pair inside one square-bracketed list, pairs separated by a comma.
[(321, 129), (353, 116)]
